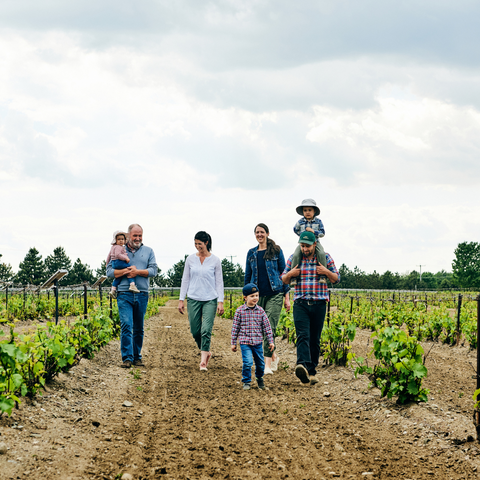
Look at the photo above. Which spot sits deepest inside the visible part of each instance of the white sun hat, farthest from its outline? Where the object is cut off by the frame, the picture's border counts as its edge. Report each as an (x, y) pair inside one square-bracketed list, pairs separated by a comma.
[(308, 202)]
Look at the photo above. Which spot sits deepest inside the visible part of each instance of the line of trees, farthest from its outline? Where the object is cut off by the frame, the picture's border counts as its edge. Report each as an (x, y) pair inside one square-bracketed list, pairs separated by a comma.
[(465, 272), (33, 270), (388, 280)]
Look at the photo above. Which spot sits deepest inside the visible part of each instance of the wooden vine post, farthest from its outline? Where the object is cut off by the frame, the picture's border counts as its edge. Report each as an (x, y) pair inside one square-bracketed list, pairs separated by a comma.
[(85, 303), (6, 301), (459, 309), (328, 312), (477, 411)]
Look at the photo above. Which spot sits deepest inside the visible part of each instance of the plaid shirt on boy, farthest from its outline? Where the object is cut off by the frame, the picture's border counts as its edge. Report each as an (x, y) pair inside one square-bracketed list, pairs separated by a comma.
[(250, 325), (309, 286), (315, 224)]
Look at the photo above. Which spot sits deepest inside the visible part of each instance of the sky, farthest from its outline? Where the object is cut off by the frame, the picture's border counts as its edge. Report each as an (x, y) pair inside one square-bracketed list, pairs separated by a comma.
[(217, 115)]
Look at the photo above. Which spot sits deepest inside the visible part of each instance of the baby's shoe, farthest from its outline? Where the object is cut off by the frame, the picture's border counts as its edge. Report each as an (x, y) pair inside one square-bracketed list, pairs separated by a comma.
[(293, 282), (133, 288)]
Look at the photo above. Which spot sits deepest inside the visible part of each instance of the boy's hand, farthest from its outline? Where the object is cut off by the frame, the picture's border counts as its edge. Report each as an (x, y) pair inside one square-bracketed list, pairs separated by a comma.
[(308, 229), (127, 260), (234, 348), (271, 346)]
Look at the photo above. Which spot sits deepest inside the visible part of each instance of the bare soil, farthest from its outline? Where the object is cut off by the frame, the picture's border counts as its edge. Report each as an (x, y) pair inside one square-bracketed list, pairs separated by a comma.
[(169, 420)]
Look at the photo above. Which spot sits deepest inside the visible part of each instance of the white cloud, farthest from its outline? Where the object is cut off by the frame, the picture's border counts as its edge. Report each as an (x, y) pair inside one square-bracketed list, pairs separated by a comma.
[(215, 116), (423, 141)]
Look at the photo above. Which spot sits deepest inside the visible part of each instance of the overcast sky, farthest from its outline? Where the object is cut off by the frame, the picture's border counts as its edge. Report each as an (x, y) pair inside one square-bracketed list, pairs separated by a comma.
[(193, 115)]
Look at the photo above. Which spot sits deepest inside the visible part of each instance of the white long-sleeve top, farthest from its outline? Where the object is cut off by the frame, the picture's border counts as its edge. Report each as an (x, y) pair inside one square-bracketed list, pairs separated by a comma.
[(202, 282)]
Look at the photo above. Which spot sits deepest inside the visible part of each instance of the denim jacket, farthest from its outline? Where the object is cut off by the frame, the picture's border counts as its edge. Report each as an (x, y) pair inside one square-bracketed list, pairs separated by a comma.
[(275, 267)]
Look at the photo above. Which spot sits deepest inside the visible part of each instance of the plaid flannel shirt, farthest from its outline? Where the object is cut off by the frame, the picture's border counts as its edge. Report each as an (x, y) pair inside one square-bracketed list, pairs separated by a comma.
[(309, 286), (250, 325)]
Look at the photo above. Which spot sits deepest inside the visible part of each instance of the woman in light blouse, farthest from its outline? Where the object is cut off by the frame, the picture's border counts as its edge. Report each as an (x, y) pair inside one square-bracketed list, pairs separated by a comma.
[(202, 283)]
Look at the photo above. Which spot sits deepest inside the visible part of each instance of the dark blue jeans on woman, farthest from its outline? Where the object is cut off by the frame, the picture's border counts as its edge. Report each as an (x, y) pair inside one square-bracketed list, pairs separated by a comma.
[(308, 317), (131, 308), (120, 265)]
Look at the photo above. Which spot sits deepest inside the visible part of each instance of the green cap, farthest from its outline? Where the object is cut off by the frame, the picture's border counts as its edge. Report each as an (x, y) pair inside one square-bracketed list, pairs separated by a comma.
[(307, 237)]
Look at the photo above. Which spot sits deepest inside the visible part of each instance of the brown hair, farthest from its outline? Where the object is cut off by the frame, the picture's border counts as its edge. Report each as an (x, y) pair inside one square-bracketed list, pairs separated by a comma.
[(205, 238), (272, 248)]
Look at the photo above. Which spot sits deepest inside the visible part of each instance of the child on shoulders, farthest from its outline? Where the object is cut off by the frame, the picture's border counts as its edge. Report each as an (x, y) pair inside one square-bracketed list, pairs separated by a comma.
[(250, 326), (310, 223), (119, 258)]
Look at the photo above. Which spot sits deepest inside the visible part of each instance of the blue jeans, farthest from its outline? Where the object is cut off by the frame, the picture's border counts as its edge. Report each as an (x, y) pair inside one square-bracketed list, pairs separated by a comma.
[(120, 265), (249, 354), (308, 320), (131, 308)]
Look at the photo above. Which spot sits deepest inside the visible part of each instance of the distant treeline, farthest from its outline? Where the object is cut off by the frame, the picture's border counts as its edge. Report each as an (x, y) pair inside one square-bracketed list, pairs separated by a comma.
[(465, 273), (33, 270), (357, 278)]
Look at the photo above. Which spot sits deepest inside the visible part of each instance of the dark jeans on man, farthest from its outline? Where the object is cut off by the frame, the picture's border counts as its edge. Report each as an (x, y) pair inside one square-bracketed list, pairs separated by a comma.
[(308, 316), (131, 308)]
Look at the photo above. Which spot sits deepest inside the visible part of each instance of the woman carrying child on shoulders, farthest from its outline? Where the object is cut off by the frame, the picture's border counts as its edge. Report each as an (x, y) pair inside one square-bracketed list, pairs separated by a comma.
[(265, 264)]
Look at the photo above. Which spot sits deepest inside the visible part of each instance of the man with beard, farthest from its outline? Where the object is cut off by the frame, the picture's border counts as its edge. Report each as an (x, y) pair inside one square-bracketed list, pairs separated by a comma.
[(310, 304), (132, 306)]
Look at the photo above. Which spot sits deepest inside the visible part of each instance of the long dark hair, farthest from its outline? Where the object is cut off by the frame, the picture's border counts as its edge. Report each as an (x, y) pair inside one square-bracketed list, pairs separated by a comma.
[(205, 238), (272, 248)]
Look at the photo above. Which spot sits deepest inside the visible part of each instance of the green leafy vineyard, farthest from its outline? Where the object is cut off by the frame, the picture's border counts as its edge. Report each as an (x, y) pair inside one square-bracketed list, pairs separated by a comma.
[(31, 357), (399, 321)]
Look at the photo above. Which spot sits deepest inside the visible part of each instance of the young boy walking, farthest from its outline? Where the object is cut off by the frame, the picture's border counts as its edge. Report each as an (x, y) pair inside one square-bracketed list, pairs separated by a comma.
[(250, 325)]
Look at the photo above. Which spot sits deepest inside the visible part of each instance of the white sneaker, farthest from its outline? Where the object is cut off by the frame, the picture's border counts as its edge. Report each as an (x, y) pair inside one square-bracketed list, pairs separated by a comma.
[(268, 371), (275, 363), (133, 288)]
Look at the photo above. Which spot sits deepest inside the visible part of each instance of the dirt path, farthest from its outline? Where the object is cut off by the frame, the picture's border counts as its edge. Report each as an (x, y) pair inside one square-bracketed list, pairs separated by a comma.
[(181, 423)]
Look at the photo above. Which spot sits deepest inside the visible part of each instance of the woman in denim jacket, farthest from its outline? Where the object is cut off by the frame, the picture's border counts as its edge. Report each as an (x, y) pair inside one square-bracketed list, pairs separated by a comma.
[(265, 264)]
